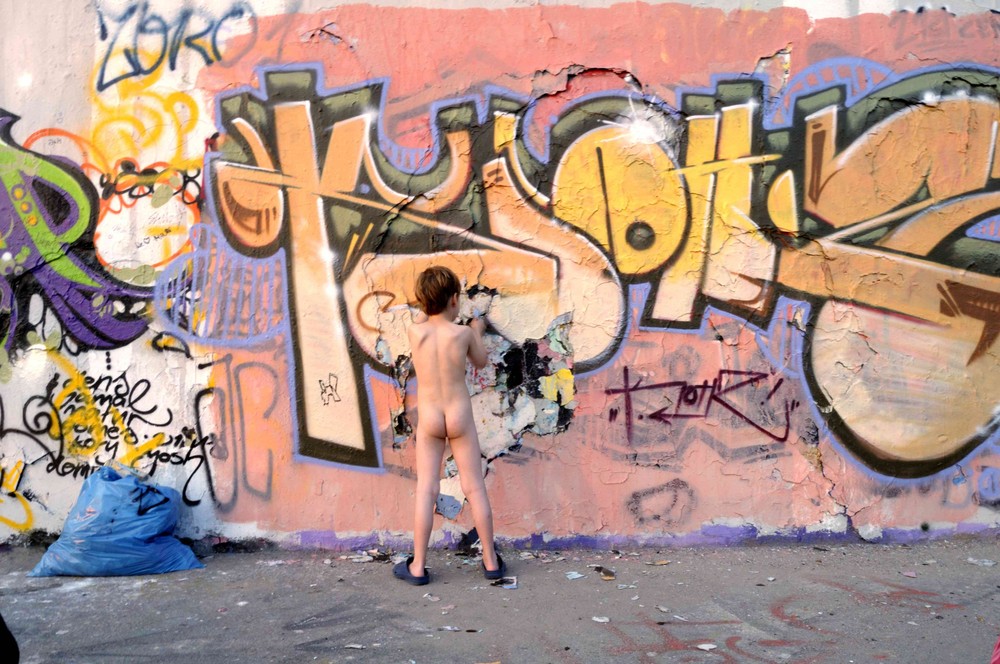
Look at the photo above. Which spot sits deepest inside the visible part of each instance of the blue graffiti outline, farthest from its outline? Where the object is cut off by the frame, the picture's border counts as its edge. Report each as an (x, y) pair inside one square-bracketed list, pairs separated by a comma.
[(785, 103), (166, 288), (851, 98), (980, 231), (391, 149), (171, 44)]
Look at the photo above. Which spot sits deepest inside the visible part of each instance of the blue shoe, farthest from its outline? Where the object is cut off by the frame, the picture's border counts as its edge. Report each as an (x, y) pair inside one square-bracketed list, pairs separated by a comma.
[(402, 571), (495, 574)]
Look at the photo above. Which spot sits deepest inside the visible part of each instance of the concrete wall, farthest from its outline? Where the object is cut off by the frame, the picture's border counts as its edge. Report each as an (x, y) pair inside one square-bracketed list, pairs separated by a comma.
[(739, 263)]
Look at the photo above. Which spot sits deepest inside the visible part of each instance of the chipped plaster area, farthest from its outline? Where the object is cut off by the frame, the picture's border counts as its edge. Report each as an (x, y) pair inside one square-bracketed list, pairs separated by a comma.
[(776, 69)]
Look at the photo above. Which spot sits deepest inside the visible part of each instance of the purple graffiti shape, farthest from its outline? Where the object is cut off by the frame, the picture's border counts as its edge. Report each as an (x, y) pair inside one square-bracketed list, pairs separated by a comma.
[(48, 212)]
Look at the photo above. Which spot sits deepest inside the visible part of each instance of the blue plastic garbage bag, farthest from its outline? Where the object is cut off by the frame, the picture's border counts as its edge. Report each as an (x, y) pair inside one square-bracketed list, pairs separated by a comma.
[(119, 526)]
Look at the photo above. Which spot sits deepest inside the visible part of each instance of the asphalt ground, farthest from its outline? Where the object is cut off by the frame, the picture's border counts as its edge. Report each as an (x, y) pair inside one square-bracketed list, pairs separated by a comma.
[(792, 602)]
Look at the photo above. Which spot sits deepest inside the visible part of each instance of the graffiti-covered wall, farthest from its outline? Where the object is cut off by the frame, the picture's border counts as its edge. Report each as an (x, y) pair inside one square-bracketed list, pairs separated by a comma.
[(739, 264)]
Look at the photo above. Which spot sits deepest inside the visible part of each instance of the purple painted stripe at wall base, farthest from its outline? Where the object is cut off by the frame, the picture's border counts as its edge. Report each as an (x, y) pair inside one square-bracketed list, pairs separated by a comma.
[(708, 536)]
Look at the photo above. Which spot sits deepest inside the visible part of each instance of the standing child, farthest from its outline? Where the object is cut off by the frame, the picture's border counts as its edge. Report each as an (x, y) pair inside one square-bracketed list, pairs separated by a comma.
[(440, 348)]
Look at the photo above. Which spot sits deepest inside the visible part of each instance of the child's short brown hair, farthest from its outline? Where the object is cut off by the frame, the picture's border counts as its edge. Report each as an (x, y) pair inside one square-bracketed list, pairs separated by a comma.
[(435, 286)]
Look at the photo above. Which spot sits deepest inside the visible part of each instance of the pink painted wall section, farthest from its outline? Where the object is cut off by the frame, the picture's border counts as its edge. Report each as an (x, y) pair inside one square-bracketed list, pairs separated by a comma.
[(740, 269)]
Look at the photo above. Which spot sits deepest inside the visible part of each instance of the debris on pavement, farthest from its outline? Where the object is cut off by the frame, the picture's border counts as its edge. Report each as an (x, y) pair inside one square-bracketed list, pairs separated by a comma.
[(380, 555), (607, 574), (507, 583), (375, 555), (431, 598), (601, 619), (982, 562), (659, 563), (354, 646), (663, 609), (449, 628), (572, 576), (909, 573), (707, 647), (364, 558)]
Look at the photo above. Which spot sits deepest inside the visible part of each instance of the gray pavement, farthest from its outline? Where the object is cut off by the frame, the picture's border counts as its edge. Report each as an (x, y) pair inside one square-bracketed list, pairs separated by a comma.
[(802, 603)]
